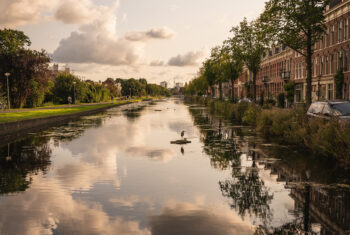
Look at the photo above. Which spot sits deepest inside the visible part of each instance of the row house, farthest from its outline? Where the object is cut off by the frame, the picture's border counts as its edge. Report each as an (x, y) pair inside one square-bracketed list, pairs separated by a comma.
[(281, 65)]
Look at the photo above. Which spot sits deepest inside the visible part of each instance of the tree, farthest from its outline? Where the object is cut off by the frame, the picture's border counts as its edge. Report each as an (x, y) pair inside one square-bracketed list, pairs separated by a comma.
[(28, 68), (197, 86), (290, 89), (133, 87), (232, 67), (249, 43), (12, 41), (298, 24), (209, 74), (64, 87), (220, 67), (110, 84)]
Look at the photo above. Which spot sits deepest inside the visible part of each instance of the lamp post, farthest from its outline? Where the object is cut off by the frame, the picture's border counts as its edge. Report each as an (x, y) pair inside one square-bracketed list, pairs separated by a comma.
[(8, 90), (74, 92)]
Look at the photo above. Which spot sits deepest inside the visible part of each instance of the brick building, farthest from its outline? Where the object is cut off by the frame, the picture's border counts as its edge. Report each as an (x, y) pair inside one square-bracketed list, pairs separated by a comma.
[(281, 65)]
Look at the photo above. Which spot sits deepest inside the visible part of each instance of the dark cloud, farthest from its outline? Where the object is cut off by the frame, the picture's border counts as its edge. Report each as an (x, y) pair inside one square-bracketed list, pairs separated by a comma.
[(159, 33)]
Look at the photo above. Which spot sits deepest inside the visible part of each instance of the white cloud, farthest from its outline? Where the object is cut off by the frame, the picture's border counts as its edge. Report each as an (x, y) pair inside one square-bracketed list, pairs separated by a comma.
[(219, 221), (82, 11), (188, 59), (97, 41), (96, 47), (156, 33), (20, 12), (57, 210)]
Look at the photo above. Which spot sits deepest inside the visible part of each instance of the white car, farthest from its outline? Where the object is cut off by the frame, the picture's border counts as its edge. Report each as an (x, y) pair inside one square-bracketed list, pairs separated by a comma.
[(331, 109)]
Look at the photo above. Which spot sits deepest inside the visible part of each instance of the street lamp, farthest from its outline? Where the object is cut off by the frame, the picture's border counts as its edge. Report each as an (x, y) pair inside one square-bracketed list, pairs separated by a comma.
[(74, 92), (8, 90)]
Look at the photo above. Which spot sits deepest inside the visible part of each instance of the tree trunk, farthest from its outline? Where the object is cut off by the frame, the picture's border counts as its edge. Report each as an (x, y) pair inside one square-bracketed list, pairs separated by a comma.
[(254, 86), (309, 70), (212, 91), (232, 90), (220, 90)]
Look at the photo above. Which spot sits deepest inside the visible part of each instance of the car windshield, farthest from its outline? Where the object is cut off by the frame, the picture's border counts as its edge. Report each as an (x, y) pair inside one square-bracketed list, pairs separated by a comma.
[(316, 108), (342, 108)]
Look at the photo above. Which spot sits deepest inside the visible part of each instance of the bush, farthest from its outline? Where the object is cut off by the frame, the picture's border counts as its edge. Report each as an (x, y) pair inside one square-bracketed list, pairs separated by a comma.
[(250, 115), (290, 126), (271, 101)]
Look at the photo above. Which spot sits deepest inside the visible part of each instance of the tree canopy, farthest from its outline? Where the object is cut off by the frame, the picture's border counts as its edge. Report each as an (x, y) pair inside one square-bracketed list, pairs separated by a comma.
[(298, 24)]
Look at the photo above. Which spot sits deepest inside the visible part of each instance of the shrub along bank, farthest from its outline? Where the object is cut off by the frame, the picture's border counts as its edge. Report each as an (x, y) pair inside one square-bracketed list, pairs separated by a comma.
[(287, 126)]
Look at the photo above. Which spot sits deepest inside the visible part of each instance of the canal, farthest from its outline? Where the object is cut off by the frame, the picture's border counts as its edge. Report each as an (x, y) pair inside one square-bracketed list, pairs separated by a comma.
[(117, 173)]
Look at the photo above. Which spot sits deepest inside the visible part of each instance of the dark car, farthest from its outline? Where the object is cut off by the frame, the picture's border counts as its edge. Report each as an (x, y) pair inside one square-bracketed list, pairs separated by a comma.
[(328, 110)]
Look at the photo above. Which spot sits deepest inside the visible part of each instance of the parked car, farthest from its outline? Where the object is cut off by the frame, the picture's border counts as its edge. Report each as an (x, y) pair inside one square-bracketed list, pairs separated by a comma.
[(246, 100), (328, 110)]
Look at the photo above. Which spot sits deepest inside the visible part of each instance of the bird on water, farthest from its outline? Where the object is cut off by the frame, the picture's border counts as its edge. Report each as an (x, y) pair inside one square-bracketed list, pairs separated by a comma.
[(182, 134)]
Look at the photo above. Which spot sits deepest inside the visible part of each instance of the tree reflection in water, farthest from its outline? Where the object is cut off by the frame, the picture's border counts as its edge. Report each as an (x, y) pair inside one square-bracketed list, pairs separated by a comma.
[(246, 189), (21, 159), (29, 156), (248, 192), (318, 186)]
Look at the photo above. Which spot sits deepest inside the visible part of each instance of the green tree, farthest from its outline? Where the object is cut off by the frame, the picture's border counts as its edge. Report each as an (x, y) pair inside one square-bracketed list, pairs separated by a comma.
[(209, 74), (133, 87), (219, 57), (232, 67), (298, 24), (110, 84), (290, 89), (28, 68), (249, 43), (12, 41), (64, 88), (197, 86)]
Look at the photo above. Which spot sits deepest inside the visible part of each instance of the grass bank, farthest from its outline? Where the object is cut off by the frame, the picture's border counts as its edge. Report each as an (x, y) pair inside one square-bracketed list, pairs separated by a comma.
[(287, 126), (42, 113)]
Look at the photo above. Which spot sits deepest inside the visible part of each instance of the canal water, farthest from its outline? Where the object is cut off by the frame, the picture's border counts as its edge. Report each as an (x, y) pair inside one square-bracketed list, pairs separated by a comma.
[(117, 173)]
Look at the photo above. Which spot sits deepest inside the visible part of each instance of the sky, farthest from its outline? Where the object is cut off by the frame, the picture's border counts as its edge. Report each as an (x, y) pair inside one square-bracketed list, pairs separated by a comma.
[(160, 40)]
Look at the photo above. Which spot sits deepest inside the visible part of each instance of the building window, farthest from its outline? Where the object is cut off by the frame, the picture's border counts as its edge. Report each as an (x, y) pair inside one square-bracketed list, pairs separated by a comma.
[(332, 64), (321, 65), (345, 61), (340, 60), (346, 29), (330, 91), (332, 34), (340, 26), (327, 37), (327, 64)]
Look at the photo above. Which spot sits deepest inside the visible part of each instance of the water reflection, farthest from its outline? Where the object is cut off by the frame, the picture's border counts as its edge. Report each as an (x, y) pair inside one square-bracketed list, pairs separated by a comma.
[(185, 218), (318, 187), (117, 173), (20, 160)]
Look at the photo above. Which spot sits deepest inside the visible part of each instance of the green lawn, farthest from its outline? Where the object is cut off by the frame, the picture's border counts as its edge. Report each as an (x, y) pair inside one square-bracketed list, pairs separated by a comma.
[(22, 115)]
